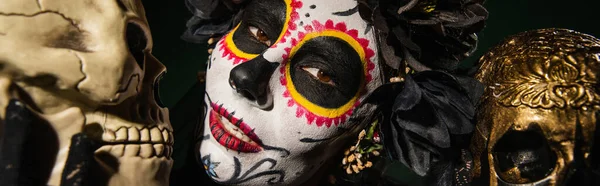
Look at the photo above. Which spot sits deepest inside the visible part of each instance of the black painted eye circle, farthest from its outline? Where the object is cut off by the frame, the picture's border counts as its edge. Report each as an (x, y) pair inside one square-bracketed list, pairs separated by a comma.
[(319, 74), (261, 26), (327, 71), (523, 157)]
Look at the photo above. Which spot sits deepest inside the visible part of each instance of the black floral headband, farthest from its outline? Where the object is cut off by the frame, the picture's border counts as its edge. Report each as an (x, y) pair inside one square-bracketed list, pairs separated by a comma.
[(446, 29)]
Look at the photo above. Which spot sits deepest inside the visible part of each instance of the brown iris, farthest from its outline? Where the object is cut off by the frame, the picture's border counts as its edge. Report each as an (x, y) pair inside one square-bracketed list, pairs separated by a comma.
[(260, 35), (319, 75), (323, 77)]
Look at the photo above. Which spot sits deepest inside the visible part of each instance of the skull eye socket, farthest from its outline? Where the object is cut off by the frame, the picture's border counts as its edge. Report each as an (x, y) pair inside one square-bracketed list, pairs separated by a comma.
[(523, 157), (137, 42)]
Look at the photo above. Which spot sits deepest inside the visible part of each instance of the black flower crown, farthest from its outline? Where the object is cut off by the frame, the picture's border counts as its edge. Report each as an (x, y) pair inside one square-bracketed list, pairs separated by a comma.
[(423, 34)]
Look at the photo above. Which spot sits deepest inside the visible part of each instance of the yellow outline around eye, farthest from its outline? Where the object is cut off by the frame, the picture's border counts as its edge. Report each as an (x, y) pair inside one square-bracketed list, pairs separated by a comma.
[(301, 100), (242, 54)]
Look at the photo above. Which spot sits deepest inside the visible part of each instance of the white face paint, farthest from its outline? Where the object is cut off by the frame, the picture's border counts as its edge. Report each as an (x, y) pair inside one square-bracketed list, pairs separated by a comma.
[(297, 68)]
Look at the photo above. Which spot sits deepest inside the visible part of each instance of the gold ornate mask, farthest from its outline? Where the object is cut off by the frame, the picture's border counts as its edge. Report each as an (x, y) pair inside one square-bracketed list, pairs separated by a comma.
[(538, 114)]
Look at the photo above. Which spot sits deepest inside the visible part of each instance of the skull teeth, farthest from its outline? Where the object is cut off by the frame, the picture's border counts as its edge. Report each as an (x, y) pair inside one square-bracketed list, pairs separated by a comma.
[(139, 150), (152, 135)]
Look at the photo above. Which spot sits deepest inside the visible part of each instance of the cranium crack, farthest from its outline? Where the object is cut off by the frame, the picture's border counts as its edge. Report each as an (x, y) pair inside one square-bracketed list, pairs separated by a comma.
[(72, 21), (81, 69), (136, 76)]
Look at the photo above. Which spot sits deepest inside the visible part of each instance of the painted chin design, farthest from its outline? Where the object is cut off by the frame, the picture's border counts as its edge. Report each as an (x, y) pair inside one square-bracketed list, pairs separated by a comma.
[(231, 132)]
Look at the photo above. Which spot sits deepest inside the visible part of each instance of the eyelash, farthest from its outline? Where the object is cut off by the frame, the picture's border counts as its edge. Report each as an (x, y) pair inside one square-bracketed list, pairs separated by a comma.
[(259, 35), (319, 74)]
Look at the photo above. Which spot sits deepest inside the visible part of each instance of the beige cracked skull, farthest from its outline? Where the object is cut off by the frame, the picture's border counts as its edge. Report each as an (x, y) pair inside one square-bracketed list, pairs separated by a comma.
[(86, 66)]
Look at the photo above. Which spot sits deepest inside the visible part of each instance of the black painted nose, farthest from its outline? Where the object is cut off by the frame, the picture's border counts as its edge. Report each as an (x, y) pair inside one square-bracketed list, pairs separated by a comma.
[(251, 79)]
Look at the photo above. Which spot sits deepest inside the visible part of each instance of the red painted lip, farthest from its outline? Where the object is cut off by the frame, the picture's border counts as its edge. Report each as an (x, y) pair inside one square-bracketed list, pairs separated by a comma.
[(227, 139)]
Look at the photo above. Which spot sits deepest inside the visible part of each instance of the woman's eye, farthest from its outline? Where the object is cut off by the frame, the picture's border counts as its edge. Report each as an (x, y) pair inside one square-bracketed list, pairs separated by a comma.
[(319, 75), (260, 35)]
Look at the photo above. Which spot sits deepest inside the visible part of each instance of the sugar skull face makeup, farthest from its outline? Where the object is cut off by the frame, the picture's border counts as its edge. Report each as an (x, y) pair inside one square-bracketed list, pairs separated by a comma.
[(281, 87)]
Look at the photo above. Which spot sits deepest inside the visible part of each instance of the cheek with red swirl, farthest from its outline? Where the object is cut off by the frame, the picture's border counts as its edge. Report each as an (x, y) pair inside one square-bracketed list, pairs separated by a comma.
[(313, 113)]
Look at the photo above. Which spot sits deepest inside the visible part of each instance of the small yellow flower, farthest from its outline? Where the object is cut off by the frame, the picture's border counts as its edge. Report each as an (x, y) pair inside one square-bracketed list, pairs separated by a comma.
[(368, 164), (351, 158), (360, 167), (355, 169), (375, 153), (362, 134)]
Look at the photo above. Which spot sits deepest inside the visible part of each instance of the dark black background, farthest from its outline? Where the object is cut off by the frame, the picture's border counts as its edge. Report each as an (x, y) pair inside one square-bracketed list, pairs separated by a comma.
[(180, 91)]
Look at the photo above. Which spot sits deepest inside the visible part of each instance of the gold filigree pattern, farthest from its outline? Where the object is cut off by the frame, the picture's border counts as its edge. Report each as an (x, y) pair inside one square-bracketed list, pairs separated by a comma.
[(544, 68), (542, 90)]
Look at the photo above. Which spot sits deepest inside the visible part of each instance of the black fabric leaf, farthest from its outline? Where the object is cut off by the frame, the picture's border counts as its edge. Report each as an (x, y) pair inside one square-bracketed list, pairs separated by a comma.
[(410, 4)]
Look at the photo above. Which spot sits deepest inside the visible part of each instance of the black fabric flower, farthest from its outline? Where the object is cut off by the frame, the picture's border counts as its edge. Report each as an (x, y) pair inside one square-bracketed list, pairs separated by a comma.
[(427, 34), (431, 107), (211, 18), (431, 118)]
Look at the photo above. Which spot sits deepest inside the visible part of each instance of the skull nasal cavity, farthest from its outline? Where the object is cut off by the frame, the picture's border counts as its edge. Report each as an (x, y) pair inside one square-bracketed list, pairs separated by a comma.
[(136, 41), (523, 157), (251, 78)]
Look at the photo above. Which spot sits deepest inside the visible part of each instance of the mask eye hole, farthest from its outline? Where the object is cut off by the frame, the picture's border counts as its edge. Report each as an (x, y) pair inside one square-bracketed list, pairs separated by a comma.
[(523, 157)]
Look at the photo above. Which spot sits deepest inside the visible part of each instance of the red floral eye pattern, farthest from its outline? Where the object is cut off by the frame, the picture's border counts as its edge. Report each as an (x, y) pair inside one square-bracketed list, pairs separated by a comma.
[(320, 119)]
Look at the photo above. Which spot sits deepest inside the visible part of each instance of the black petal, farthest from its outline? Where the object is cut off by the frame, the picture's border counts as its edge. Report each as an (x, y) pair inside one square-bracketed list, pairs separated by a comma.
[(210, 17)]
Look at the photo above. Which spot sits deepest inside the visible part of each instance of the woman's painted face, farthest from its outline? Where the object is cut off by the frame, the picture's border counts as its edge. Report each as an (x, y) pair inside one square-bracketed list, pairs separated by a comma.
[(281, 87)]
